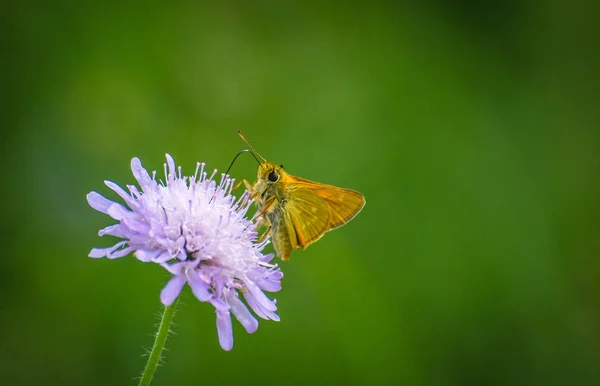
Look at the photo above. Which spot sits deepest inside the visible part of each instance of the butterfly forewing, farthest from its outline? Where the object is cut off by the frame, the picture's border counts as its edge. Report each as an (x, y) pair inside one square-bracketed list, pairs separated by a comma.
[(343, 204)]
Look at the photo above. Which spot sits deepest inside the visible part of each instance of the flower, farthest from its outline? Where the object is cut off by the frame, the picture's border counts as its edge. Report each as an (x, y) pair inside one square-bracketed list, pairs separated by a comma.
[(198, 232)]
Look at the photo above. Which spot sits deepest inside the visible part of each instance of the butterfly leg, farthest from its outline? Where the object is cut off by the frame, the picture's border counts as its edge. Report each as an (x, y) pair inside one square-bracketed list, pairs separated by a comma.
[(237, 186), (262, 237), (268, 204), (247, 185), (264, 220)]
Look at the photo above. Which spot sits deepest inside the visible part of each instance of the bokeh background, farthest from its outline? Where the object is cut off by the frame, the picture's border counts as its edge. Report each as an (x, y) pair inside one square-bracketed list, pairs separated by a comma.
[(472, 129)]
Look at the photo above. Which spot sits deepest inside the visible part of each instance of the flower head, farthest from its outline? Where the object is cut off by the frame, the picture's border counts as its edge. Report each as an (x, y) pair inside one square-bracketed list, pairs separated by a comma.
[(196, 230)]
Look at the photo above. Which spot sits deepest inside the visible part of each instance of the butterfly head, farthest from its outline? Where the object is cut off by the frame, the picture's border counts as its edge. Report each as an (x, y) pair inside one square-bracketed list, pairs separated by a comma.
[(271, 177), (269, 172)]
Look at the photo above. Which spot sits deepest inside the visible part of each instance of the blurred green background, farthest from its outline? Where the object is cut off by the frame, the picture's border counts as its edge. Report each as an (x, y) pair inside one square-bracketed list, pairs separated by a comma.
[(472, 130)]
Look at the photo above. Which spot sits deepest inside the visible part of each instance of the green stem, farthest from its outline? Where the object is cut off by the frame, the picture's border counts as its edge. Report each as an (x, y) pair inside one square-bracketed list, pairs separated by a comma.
[(159, 344)]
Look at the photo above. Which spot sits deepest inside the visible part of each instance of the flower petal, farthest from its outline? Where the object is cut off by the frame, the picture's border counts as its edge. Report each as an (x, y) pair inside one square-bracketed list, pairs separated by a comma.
[(199, 287), (135, 224), (140, 174), (172, 171), (267, 258), (112, 230), (260, 311), (99, 202), (219, 304), (146, 255), (123, 194), (175, 269), (97, 252), (172, 289), (225, 330), (269, 285), (260, 297), (240, 311), (104, 252), (163, 258), (269, 281), (119, 253), (117, 211)]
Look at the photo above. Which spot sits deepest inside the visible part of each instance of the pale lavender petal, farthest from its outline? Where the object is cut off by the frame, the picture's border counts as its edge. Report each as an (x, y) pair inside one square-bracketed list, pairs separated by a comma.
[(123, 194), (172, 170), (175, 269), (267, 258), (240, 311), (146, 255), (219, 304), (225, 330), (119, 253), (140, 174), (156, 227), (274, 274), (112, 230), (269, 285), (134, 224), (163, 258), (199, 287), (117, 211), (179, 247), (172, 289), (142, 240), (255, 307), (102, 252), (260, 311), (97, 252), (134, 191), (261, 298), (98, 202), (269, 281)]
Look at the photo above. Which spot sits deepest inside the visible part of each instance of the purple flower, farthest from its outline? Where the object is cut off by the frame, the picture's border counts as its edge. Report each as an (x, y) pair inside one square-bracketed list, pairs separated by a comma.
[(196, 230)]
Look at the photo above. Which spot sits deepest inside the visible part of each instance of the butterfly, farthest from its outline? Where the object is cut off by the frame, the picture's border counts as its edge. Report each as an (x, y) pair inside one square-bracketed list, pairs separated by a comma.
[(298, 212)]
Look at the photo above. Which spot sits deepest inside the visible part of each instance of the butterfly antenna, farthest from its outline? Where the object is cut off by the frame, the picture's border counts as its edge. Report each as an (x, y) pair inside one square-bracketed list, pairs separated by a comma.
[(250, 146), (237, 155)]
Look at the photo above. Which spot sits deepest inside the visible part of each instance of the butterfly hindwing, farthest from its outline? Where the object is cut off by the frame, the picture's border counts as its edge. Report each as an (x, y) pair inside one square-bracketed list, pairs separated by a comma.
[(307, 215)]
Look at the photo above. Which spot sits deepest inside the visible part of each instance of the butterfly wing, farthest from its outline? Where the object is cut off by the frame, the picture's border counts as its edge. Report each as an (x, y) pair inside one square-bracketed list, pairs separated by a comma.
[(284, 239), (307, 210), (343, 204), (297, 220), (306, 215), (301, 220)]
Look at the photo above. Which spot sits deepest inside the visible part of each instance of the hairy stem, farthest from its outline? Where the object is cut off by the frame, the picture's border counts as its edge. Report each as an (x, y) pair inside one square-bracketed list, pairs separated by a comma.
[(159, 344)]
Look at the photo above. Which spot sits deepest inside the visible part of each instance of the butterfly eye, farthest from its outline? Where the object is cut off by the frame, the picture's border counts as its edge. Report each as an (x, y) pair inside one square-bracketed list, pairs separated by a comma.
[(273, 176)]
